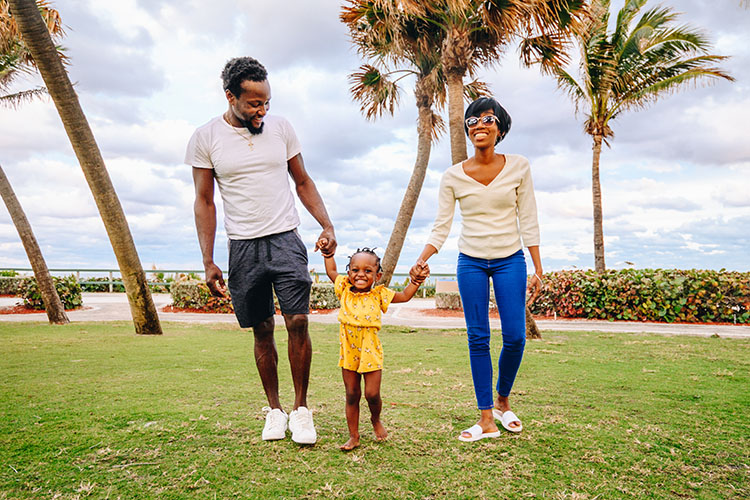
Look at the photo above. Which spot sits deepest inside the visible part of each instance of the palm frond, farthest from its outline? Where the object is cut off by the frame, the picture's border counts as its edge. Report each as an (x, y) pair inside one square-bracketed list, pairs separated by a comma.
[(16, 99), (437, 128), (476, 89), (570, 86), (376, 93), (624, 18)]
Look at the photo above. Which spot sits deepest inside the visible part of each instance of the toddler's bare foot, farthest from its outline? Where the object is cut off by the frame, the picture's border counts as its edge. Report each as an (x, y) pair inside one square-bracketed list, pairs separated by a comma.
[(380, 433), (351, 444)]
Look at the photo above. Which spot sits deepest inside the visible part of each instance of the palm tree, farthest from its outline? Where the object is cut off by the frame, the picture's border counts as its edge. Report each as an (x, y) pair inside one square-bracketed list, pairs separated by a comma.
[(15, 59), (35, 36), (52, 303), (477, 32), (387, 35), (628, 69)]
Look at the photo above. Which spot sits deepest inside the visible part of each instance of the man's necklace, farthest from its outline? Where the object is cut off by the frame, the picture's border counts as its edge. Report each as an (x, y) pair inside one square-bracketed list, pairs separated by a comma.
[(248, 139)]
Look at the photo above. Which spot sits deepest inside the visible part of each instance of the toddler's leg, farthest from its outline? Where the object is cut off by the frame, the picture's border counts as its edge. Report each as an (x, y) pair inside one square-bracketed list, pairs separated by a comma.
[(353, 395), (372, 394)]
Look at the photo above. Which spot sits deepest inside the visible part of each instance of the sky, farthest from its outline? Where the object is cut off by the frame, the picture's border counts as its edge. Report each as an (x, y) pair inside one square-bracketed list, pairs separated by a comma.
[(675, 182)]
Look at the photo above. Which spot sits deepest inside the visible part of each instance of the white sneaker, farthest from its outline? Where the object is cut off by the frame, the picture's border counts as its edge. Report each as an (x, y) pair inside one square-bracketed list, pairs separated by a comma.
[(301, 425), (275, 427)]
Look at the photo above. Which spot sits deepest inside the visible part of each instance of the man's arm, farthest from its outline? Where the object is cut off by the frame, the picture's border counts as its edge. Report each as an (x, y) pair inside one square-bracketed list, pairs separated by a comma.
[(310, 198), (205, 223)]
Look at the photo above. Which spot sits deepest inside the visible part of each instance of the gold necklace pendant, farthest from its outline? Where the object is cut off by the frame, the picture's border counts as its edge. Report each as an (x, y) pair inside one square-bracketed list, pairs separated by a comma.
[(248, 139)]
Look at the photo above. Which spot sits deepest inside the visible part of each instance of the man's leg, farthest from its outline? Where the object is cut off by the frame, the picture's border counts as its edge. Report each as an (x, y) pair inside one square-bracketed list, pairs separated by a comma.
[(267, 359), (300, 355)]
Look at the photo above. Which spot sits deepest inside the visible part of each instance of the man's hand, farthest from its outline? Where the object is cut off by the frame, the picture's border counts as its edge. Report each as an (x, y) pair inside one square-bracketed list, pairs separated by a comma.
[(326, 243), (215, 281)]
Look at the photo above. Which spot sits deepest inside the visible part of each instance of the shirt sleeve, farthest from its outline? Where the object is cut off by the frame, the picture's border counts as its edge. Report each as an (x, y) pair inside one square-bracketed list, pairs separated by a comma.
[(526, 207), (197, 153), (293, 146), (444, 218), (340, 284), (386, 296)]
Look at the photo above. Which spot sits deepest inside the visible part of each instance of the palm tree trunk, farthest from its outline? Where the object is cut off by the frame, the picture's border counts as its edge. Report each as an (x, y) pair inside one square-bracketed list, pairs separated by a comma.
[(596, 190), (37, 39), (411, 196), (456, 117), (52, 303)]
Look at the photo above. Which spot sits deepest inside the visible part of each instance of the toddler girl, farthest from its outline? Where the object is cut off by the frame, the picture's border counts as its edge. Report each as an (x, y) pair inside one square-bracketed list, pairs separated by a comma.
[(360, 354)]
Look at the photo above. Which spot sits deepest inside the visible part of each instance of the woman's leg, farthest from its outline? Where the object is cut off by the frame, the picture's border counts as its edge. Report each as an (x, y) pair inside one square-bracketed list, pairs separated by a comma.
[(353, 395), (474, 287), (374, 401), (509, 280)]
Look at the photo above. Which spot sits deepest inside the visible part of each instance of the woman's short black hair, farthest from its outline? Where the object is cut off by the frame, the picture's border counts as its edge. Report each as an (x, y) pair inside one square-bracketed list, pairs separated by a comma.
[(483, 104), (238, 70)]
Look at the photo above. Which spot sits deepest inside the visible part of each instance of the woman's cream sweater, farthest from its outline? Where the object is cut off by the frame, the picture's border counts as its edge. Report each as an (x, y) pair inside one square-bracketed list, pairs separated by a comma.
[(496, 217)]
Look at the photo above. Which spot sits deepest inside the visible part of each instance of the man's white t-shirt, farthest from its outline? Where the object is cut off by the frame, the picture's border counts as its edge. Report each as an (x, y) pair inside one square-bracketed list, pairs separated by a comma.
[(253, 181)]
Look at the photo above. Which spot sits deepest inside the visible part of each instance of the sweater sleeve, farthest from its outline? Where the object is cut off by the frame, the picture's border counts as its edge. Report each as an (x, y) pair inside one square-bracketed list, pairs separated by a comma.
[(526, 206), (445, 211)]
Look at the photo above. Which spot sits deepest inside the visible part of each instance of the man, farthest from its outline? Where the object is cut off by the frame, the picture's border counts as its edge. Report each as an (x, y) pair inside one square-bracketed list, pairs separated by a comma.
[(250, 155)]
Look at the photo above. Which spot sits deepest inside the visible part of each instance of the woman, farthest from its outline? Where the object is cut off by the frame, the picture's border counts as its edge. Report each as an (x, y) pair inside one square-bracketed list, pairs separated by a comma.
[(496, 196)]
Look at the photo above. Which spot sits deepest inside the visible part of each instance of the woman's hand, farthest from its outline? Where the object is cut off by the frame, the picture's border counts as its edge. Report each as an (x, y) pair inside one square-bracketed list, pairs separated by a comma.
[(419, 271), (534, 287)]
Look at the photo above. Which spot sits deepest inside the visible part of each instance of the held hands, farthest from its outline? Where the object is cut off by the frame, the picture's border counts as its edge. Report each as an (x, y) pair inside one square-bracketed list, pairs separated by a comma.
[(215, 281), (326, 243), (534, 287), (419, 272)]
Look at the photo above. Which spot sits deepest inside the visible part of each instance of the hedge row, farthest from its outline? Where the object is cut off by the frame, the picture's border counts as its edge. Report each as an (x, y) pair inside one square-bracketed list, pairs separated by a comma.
[(102, 285), (664, 295), (193, 294)]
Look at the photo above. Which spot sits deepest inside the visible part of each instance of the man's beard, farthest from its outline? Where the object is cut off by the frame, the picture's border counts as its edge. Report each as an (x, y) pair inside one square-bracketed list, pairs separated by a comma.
[(250, 128)]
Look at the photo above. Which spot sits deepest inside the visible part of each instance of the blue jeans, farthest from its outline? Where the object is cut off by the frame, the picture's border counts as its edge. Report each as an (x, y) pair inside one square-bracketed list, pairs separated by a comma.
[(509, 279)]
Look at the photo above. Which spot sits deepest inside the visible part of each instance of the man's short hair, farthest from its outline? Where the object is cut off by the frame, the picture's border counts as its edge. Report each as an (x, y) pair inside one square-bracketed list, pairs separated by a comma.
[(238, 70), (483, 104)]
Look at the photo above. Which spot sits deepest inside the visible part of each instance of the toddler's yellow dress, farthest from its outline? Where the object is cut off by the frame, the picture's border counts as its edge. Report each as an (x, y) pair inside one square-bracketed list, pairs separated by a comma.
[(359, 324)]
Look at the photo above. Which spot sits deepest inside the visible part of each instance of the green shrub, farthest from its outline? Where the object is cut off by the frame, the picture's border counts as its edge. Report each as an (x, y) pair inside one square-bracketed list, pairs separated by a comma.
[(67, 288), (11, 285), (323, 296), (7, 273), (663, 295), (194, 294)]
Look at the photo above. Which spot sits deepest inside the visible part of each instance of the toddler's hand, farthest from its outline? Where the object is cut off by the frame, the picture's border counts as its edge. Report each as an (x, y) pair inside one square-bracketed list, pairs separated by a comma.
[(321, 244)]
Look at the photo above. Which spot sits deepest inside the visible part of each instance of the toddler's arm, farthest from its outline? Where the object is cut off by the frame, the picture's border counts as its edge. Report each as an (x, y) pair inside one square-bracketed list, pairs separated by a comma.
[(409, 291), (330, 262)]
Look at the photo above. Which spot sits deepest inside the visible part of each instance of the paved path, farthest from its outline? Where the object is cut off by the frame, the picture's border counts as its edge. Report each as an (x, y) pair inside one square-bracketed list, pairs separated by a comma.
[(114, 307)]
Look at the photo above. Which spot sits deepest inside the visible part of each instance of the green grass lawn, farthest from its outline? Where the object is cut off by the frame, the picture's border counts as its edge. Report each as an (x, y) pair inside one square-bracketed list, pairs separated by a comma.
[(93, 411)]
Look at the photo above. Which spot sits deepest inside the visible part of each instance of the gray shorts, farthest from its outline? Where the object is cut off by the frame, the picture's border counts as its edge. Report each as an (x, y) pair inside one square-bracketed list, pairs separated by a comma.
[(278, 260)]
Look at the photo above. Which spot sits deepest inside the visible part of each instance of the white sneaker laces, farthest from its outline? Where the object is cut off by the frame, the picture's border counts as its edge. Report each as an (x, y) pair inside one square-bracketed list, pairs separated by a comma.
[(276, 417), (305, 419)]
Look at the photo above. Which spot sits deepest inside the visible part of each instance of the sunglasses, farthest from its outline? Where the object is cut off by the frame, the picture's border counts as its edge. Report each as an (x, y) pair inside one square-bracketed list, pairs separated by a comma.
[(473, 121)]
